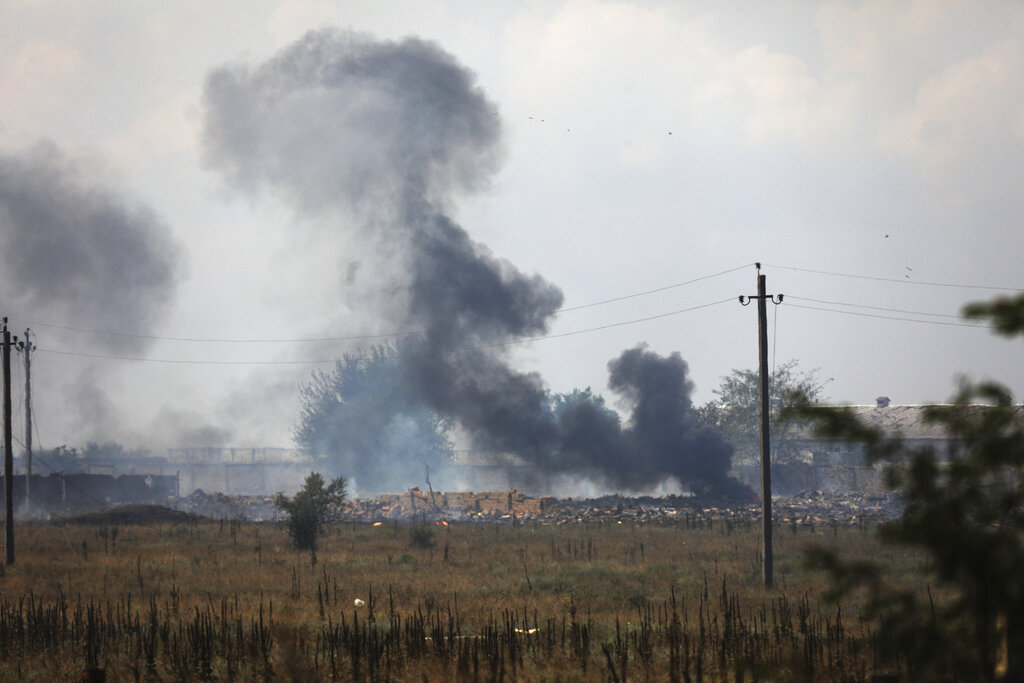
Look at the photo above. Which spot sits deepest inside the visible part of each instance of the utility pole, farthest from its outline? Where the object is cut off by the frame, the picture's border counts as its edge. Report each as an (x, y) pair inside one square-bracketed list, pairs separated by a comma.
[(767, 559), (28, 348), (8, 450)]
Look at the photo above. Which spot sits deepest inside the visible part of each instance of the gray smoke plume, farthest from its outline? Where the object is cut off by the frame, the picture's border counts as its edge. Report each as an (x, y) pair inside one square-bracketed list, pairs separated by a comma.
[(79, 253), (391, 134)]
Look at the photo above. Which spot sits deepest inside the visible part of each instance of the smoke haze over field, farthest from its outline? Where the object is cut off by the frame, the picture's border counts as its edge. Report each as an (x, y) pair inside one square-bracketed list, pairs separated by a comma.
[(77, 251), (389, 135)]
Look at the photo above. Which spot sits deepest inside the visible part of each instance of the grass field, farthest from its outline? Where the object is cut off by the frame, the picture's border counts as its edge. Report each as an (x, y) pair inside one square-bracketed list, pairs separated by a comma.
[(230, 600)]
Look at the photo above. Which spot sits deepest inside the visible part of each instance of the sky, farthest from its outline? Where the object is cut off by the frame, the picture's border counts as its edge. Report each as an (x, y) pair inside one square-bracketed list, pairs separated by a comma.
[(868, 154)]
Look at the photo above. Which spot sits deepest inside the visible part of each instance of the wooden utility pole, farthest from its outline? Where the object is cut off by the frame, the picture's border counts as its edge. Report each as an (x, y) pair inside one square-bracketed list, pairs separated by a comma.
[(767, 558), (768, 567), (28, 348), (8, 450)]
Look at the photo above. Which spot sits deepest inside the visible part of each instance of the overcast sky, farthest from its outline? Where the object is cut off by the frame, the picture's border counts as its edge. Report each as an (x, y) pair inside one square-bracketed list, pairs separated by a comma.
[(642, 145)]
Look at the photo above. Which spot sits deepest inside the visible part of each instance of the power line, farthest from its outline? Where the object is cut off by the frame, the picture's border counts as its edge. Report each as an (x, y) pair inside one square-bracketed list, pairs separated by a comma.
[(178, 361), (890, 317), (610, 325), (174, 361), (153, 337), (653, 291), (364, 337), (902, 282), (877, 308)]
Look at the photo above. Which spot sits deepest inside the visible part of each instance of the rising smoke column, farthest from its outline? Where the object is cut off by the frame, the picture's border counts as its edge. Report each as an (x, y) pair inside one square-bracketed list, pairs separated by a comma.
[(394, 132), (386, 136), (660, 438), (76, 252)]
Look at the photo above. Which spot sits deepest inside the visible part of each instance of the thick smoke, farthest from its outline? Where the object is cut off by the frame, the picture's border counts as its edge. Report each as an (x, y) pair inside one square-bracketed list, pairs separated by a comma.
[(390, 134), (79, 253)]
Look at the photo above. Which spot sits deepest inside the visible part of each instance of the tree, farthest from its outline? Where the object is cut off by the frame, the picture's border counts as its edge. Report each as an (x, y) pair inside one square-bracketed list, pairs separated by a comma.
[(1006, 314), (559, 402), (364, 419), (736, 414), (964, 507), (311, 509)]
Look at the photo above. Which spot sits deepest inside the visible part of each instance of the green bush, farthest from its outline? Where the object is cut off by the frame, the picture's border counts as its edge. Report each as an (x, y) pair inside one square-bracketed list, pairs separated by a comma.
[(421, 536), (311, 509)]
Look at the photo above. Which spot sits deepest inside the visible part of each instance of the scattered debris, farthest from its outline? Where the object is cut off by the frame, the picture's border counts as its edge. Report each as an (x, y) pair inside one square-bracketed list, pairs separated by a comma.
[(514, 507)]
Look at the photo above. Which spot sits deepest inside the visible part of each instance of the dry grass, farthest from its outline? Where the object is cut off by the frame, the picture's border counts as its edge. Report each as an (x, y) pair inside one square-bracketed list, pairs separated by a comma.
[(232, 601)]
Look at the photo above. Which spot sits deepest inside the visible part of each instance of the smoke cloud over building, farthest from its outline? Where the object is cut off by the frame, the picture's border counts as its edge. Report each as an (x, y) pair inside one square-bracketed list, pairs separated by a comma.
[(383, 138)]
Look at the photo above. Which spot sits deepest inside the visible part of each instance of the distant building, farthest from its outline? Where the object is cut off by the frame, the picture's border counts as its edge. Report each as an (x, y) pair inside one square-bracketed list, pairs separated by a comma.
[(838, 465)]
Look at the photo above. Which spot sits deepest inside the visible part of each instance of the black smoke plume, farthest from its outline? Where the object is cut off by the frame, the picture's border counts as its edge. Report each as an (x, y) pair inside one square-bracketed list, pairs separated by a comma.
[(387, 136), (78, 253), (661, 438)]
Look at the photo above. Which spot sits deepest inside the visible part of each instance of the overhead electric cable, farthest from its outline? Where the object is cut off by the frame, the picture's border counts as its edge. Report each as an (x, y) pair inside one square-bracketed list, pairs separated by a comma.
[(890, 317), (890, 279), (653, 291), (181, 361), (364, 337), (877, 308), (610, 325), (154, 337), (177, 361)]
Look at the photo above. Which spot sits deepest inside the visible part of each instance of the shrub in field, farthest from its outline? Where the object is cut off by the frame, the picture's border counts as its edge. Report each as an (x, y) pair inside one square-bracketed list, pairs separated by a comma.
[(313, 507), (421, 536)]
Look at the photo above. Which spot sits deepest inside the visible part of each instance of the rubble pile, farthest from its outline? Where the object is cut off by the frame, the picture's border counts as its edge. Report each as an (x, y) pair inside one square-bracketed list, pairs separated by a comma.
[(455, 505), (219, 505), (813, 508), (512, 506)]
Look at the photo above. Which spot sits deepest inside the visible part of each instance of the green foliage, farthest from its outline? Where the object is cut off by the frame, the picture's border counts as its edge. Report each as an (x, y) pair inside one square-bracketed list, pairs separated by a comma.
[(1006, 314), (964, 507), (736, 414), (559, 402), (311, 509), (63, 458), (364, 419)]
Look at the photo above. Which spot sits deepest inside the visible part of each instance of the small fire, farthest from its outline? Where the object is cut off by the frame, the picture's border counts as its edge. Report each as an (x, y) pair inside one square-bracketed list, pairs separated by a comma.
[(441, 522)]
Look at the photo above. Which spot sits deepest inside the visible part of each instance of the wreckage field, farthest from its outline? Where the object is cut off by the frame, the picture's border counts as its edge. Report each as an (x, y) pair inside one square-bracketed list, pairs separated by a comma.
[(196, 599)]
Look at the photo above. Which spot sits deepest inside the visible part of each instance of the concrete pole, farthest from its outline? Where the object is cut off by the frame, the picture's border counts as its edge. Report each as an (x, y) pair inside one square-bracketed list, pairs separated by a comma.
[(8, 450), (766, 454)]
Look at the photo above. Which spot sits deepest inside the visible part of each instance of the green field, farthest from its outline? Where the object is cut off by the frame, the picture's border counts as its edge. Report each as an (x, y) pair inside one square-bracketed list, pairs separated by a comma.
[(231, 600)]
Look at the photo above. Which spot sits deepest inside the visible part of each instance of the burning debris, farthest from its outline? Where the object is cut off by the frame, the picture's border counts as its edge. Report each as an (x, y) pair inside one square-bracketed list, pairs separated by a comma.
[(512, 506), (384, 137), (809, 509)]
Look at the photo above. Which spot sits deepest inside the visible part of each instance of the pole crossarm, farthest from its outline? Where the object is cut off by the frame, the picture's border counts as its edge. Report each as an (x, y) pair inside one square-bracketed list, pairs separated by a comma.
[(745, 300)]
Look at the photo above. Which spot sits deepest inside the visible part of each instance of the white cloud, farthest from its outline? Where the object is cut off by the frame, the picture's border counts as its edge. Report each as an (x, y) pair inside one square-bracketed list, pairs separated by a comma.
[(293, 18), (778, 99), (37, 83), (967, 110), (168, 127)]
